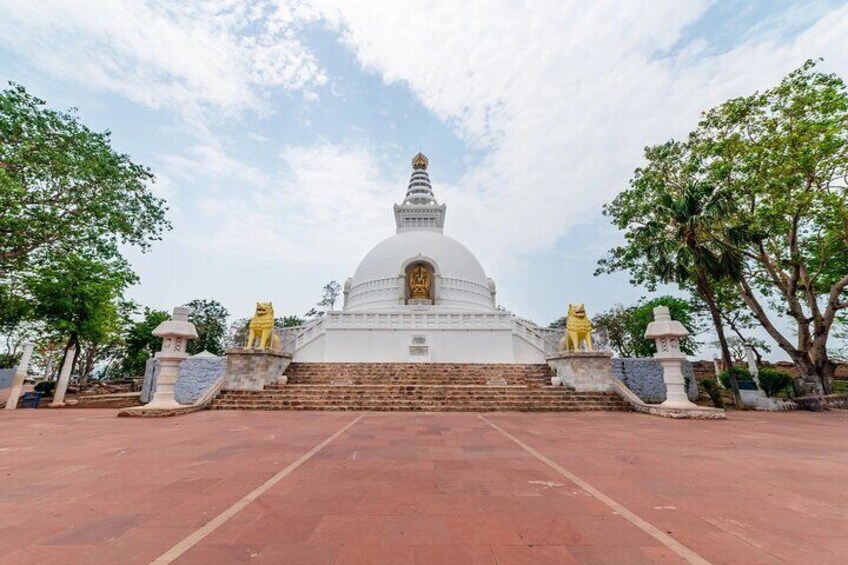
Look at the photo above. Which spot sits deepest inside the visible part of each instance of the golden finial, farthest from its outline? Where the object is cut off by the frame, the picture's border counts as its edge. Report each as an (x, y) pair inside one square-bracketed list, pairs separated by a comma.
[(420, 161)]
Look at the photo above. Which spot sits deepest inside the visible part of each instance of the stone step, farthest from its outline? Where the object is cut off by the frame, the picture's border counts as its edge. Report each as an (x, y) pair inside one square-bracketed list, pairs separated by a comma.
[(431, 408), (407, 394), (417, 387)]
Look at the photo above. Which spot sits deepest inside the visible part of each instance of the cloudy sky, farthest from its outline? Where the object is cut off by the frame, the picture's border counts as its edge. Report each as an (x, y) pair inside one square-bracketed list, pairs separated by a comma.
[(281, 132)]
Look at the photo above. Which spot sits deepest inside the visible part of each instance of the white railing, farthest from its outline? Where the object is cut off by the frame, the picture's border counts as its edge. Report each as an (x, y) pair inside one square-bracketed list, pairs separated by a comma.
[(545, 340)]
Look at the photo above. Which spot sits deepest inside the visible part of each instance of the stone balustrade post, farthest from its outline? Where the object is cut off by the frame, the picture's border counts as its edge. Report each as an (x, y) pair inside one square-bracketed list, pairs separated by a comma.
[(717, 368), (64, 377), (18, 379), (752, 365)]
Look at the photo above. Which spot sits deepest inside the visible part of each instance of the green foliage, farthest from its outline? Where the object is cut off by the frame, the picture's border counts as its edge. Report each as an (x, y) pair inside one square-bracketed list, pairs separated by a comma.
[(14, 309), (330, 293), (8, 360), (63, 186), (210, 319), (616, 324), (140, 344), (78, 295), (643, 314), (559, 323), (713, 390), (624, 326), (774, 382), (782, 154), (755, 199), (288, 321), (45, 387), (741, 375)]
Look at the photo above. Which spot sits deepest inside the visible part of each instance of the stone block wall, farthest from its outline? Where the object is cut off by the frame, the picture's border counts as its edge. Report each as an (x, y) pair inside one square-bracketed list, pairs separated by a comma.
[(6, 376), (583, 371), (252, 369), (151, 375), (645, 378), (197, 374)]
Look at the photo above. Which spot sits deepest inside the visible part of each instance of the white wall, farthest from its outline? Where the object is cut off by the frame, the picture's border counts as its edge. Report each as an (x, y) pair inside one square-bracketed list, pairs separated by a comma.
[(392, 346)]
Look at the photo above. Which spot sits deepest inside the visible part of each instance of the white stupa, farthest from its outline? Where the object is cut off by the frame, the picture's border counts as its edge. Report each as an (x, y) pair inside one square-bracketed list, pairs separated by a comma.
[(421, 296)]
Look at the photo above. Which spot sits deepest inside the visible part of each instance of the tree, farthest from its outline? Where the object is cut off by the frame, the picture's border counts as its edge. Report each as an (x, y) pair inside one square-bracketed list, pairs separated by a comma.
[(615, 322), (78, 295), (139, 342), (331, 293), (106, 344), (559, 323), (739, 348), (643, 314), (288, 321), (237, 332), (210, 319), (64, 186), (783, 156), (670, 215)]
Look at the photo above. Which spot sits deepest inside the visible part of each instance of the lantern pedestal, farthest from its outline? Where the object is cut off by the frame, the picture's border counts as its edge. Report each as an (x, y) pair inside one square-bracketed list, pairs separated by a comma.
[(667, 334), (175, 334)]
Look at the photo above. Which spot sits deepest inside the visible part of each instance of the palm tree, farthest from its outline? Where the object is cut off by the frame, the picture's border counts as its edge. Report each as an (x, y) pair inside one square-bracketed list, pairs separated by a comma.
[(685, 251)]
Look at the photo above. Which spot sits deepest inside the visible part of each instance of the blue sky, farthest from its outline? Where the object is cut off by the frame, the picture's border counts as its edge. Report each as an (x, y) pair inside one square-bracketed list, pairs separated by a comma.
[(281, 132)]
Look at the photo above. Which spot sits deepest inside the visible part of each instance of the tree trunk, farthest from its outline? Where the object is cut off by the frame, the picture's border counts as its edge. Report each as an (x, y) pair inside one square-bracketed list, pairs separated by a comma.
[(707, 294), (87, 364), (820, 367)]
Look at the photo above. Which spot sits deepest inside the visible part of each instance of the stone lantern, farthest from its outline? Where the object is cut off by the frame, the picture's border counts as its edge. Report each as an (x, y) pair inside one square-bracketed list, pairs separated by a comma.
[(667, 334), (175, 334)]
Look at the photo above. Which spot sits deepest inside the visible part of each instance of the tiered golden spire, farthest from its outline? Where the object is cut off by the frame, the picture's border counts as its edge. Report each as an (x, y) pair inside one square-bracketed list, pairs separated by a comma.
[(420, 161)]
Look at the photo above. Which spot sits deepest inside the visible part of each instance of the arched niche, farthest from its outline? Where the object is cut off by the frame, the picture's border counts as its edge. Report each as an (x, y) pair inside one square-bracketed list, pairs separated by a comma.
[(419, 282)]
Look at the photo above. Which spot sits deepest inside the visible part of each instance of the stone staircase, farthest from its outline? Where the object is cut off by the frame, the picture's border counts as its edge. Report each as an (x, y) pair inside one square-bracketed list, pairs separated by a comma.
[(435, 387)]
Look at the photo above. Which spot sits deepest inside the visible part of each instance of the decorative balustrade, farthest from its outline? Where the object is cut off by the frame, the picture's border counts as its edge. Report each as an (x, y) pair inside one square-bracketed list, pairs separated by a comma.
[(545, 340)]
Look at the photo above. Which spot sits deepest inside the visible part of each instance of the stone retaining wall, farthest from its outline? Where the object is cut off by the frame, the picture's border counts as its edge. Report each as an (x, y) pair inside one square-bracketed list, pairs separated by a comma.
[(6, 376), (645, 378), (197, 374)]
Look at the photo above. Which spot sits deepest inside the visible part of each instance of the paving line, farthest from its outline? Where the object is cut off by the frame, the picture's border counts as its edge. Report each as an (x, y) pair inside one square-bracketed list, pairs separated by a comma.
[(684, 552), (193, 538)]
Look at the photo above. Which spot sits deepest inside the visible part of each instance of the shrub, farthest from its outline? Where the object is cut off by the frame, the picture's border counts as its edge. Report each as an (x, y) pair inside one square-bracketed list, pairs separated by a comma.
[(741, 375), (712, 389), (45, 387), (773, 382)]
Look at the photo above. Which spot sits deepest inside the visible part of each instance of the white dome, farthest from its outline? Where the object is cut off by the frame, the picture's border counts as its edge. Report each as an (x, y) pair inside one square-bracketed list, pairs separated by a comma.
[(461, 282)]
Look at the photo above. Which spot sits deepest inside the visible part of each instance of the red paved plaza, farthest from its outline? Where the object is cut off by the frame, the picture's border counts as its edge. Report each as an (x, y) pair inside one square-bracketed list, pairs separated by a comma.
[(81, 486)]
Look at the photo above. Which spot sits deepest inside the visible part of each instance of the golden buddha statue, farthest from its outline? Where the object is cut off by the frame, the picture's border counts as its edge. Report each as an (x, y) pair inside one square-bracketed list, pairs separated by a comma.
[(419, 283)]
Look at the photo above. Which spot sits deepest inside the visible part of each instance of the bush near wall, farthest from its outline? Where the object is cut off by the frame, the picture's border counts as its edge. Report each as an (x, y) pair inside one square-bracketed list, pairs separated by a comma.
[(741, 375), (774, 382)]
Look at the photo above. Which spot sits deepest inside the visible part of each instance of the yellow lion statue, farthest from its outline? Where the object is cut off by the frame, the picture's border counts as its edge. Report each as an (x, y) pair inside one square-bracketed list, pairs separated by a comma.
[(262, 328), (578, 329)]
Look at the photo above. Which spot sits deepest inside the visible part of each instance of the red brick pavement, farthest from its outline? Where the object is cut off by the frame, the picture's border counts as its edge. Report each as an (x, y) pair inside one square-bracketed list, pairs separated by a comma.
[(81, 486)]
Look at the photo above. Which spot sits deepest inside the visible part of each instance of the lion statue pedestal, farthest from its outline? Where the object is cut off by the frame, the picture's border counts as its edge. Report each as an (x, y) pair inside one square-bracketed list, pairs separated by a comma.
[(252, 369), (583, 371), (261, 362)]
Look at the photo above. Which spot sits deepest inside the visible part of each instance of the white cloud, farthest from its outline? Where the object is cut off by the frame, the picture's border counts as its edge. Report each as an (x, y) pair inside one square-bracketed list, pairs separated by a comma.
[(327, 204), (197, 57), (210, 160), (562, 95)]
